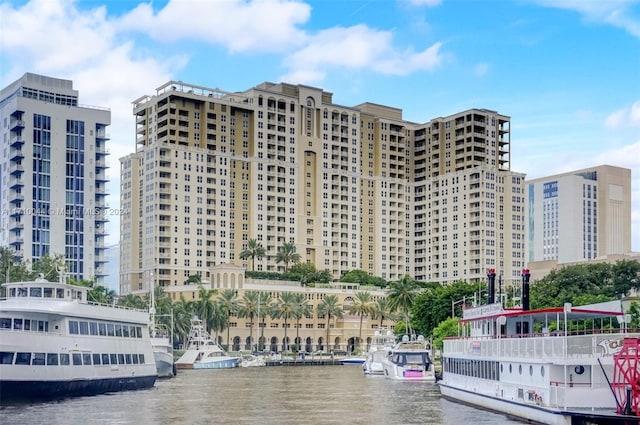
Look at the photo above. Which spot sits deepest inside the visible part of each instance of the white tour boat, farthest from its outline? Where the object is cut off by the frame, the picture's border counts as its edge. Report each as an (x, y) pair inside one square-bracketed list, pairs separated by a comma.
[(381, 343), (203, 353), (54, 343), (409, 360), (586, 371)]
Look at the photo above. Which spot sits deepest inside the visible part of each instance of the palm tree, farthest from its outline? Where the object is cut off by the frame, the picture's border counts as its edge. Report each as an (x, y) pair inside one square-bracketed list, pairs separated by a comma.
[(203, 306), (400, 298), (182, 313), (248, 307), (228, 299), (287, 254), (285, 308), (381, 310), (219, 319), (302, 308), (254, 249), (133, 301), (265, 306), (329, 307), (362, 306)]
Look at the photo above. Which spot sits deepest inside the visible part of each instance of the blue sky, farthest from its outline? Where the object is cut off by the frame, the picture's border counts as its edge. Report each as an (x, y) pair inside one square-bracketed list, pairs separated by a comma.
[(567, 72)]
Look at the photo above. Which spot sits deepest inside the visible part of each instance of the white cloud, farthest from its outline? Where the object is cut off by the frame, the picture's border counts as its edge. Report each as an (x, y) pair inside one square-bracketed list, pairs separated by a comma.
[(618, 13), (625, 117), (238, 25), (356, 48), (481, 69)]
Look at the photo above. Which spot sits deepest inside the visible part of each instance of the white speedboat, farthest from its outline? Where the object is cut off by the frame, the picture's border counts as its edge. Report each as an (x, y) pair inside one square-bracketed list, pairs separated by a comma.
[(353, 360), (162, 351), (203, 353), (54, 343), (381, 343), (559, 366), (409, 360), (250, 360)]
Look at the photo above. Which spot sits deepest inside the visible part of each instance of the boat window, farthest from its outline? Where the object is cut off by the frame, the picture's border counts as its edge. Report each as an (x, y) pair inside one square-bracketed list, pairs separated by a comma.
[(73, 327), (35, 292), (38, 359), (23, 358), (579, 369), (12, 292), (93, 328), (17, 324), (84, 328), (110, 330), (43, 326), (64, 359), (520, 369), (531, 370), (77, 359), (86, 359), (27, 325), (120, 358), (128, 358), (59, 293), (125, 331), (542, 370), (141, 357), (52, 359), (118, 330), (6, 357), (135, 358), (48, 292), (22, 292), (102, 329), (113, 358), (105, 359), (5, 323), (96, 359), (138, 332)]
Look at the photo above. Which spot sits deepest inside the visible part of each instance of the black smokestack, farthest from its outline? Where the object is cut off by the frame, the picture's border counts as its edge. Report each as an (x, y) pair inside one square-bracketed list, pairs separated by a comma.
[(491, 278), (525, 289)]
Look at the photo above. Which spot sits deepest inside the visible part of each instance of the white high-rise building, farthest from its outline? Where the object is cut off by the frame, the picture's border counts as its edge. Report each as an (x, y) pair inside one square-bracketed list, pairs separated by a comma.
[(52, 174), (579, 215)]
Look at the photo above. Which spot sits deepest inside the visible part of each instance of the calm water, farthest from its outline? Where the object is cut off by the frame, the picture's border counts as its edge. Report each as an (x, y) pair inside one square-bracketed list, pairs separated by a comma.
[(267, 395)]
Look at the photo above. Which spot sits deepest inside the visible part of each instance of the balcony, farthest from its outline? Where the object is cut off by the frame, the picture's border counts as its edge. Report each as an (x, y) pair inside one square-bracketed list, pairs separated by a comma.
[(16, 155)]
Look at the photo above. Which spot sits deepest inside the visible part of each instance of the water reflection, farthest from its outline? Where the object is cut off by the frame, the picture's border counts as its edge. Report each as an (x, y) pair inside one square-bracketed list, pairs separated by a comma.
[(265, 396)]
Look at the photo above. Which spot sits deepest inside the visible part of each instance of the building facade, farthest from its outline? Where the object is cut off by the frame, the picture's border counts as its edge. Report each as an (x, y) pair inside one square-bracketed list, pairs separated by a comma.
[(352, 187), (579, 215), (52, 174)]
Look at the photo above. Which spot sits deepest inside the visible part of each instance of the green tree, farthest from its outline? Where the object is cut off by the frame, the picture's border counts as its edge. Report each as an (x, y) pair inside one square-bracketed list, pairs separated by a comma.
[(434, 304), (265, 308), (362, 306), (182, 315), (254, 249), (446, 328), (133, 301), (203, 306), (248, 307), (50, 266), (286, 307), (380, 310), (400, 298), (287, 254), (301, 309), (229, 300), (329, 307), (219, 319)]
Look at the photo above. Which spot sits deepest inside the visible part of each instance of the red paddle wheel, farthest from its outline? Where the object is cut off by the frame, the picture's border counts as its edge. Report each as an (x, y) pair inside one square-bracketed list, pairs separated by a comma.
[(626, 377)]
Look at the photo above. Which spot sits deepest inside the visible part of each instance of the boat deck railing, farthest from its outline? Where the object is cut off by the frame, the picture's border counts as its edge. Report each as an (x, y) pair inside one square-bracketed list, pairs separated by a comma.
[(540, 347)]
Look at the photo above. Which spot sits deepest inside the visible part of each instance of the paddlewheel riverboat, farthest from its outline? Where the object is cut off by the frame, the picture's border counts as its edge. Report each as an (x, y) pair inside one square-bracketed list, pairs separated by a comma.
[(585, 371)]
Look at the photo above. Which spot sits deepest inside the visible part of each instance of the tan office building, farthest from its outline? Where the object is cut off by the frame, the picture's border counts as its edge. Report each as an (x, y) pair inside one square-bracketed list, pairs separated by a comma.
[(352, 187)]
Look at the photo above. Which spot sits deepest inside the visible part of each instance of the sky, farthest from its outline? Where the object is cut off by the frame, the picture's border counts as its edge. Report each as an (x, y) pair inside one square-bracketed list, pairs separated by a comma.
[(567, 72)]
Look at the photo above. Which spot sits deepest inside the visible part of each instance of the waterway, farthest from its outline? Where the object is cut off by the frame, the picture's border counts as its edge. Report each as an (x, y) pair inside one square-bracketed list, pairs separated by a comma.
[(303, 395)]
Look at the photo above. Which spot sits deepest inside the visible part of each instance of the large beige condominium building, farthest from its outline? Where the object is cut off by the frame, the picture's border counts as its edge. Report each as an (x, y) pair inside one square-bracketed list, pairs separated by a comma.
[(351, 187), (579, 215), (52, 174)]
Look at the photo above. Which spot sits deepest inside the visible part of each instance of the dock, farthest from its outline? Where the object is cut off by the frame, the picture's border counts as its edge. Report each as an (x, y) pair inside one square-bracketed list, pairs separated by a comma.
[(304, 362)]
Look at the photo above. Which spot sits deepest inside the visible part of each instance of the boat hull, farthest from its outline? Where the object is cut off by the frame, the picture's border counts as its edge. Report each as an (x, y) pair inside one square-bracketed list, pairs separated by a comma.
[(220, 364), (353, 361), (19, 390), (164, 364)]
